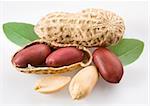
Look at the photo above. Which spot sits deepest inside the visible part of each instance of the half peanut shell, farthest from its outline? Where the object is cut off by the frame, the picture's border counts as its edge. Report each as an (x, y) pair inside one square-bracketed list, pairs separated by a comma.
[(51, 70)]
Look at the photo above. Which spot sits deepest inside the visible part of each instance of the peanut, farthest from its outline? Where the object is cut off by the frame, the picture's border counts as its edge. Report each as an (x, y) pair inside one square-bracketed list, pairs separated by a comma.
[(108, 64), (34, 55), (64, 56), (51, 84), (88, 28), (83, 82)]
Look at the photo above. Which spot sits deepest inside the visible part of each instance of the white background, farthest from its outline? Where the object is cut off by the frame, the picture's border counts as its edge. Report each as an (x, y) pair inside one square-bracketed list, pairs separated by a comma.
[(17, 88)]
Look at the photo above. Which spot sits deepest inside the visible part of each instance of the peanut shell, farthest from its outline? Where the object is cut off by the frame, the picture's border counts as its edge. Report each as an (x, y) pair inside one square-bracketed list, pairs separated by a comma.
[(88, 28), (51, 70)]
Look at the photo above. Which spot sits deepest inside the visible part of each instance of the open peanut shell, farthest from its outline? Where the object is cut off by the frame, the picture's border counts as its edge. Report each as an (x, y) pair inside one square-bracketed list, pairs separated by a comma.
[(51, 70)]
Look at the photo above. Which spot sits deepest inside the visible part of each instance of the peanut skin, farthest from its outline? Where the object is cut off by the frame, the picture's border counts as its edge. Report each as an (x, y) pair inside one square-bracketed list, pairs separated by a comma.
[(34, 55), (108, 65), (64, 56)]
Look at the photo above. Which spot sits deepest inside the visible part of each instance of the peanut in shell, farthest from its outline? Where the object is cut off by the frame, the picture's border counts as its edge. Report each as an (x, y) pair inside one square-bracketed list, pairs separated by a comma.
[(88, 28), (87, 59)]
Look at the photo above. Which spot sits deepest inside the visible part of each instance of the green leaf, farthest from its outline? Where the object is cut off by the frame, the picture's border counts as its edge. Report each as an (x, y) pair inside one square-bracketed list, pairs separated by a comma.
[(19, 33), (128, 50)]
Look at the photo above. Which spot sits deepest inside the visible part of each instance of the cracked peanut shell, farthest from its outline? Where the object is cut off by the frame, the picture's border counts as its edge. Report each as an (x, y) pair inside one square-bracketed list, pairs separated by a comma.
[(87, 59)]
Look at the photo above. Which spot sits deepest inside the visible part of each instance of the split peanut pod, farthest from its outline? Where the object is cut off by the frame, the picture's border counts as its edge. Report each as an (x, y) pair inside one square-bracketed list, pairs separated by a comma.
[(36, 58), (88, 28)]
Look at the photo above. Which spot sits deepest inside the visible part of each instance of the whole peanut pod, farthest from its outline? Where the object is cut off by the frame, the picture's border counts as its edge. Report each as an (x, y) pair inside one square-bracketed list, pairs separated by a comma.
[(64, 56), (89, 28), (34, 55), (108, 64)]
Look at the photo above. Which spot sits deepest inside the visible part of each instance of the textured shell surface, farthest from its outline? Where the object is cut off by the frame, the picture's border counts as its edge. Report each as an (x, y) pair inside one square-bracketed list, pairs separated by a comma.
[(51, 70), (88, 28)]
